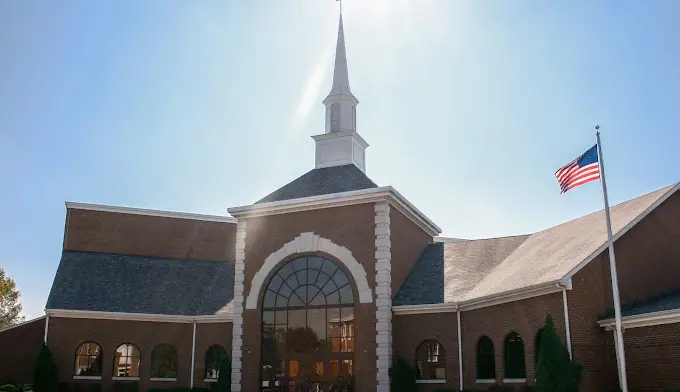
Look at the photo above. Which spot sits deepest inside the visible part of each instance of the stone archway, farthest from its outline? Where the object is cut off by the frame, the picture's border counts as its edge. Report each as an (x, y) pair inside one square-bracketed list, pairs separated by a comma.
[(308, 243)]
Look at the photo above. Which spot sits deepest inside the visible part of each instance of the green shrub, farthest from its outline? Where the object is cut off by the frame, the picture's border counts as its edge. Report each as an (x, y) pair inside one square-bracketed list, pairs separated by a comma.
[(45, 377), (9, 388), (555, 371), (403, 376), (224, 379)]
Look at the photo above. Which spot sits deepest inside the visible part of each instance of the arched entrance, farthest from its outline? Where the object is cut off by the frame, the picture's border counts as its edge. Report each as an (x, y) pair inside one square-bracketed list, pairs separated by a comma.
[(308, 327)]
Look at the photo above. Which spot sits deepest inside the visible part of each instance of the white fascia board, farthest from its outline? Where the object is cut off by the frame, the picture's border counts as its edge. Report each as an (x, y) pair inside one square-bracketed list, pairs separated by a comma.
[(511, 296), (142, 211), (161, 318), (21, 324), (621, 232), (483, 302), (361, 196), (644, 320), (424, 309)]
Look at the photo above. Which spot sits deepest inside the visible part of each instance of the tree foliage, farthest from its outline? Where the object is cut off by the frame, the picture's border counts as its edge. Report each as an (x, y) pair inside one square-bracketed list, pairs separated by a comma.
[(45, 377), (555, 371), (10, 307), (224, 379), (403, 376)]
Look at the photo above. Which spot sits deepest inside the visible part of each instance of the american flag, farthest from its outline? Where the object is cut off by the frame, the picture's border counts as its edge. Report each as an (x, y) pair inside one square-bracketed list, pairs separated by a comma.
[(583, 169)]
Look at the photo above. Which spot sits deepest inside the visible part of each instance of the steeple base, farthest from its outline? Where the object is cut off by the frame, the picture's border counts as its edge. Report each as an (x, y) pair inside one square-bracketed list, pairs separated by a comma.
[(340, 148)]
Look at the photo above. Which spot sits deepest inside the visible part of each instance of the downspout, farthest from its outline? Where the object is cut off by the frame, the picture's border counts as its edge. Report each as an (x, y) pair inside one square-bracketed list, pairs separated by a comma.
[(47, 323), (566, 316), (460, 352), (193, 356)]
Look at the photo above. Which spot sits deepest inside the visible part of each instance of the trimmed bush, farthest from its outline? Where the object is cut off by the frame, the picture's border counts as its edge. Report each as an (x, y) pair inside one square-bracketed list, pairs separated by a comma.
[(9, 388), (45, 377), (403, 376), (555, 371), (224, 379)]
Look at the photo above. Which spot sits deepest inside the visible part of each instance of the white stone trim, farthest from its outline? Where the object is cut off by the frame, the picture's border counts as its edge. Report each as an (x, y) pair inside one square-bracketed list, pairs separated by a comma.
[(383, 296), (514, 380), (143, 211), (160, 318), (237, 329), (644, 320), (116, 378), (87, 377), (485, 381), (431, 381), (306, 243), (209, 380), (370, 195), (163, 379)]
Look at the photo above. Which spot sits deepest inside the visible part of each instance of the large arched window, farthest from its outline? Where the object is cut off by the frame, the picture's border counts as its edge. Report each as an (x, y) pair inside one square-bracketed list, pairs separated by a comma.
[(486, 359), (88, 360), (213, 357), (164, 362), (126, 361), (430, 360), (537, 346), (308, 322), (514, 356)]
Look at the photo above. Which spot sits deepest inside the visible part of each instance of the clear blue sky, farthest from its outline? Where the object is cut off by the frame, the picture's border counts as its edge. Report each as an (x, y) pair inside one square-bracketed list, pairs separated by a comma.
[(469, 108)]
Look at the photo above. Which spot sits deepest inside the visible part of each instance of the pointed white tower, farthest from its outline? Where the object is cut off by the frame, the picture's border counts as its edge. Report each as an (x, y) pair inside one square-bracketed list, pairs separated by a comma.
[(340, 144)]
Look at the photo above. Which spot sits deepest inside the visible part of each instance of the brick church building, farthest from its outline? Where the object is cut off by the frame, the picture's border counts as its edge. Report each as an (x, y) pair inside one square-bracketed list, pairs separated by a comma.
[(324, 281)]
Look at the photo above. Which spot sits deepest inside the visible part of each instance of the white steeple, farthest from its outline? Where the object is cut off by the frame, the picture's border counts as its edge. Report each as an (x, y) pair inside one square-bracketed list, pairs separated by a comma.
[(340, 144)]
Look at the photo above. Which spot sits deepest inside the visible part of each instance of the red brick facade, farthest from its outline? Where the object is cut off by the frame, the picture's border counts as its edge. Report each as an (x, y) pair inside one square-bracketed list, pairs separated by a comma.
[(653, 358), (143, 235), (66, 334), (19, 347)]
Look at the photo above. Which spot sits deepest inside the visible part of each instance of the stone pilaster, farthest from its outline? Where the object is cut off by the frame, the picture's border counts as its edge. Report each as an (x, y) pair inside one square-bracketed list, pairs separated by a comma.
[(383, 294), (237, 330)]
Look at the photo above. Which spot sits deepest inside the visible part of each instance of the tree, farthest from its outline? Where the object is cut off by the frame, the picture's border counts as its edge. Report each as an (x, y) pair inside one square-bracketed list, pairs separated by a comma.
[(555, 371), (403, 376), (224, 379), (10, 307), (45, 377)]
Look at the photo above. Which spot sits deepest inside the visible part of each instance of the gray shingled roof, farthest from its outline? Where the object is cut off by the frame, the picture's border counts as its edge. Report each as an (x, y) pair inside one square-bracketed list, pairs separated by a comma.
[(324, 181), (479, 268), (137, 284), (667, 301)]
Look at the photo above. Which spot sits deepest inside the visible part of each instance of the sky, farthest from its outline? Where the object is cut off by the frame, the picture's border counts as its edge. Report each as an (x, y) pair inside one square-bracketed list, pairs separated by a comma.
[(469, 107)]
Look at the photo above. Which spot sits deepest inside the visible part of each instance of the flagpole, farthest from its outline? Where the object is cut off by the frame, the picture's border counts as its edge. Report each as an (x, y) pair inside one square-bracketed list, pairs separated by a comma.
[(621, 357)]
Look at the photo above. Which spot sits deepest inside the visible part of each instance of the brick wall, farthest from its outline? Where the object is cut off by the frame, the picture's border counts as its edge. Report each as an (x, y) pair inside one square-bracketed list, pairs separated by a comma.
[(409, 331), (653, 358), (352, 227), (130, 234), (65, 335), (19, 347), (408, 241), (647, 256)]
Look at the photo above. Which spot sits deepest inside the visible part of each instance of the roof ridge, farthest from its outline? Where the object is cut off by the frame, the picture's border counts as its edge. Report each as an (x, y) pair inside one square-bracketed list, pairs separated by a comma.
[(454, 240)]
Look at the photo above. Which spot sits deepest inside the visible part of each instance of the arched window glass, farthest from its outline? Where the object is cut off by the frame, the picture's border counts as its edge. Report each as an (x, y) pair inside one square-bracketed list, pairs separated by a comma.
[(430, 360), (514, 356), (486, 359), (538, 345), (126, 361), (213, 357), (308, 322), (88, 360), (164, 362)]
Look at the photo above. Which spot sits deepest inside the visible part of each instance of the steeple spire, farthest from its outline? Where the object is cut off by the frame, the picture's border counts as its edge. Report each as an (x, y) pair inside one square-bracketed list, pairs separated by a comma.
[(340, 73), (340, 144)]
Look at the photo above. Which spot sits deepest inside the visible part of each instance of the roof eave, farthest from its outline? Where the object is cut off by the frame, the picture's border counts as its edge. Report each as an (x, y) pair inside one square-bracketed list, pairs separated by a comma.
[(361, 196), (148, 212), (163, 318)]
